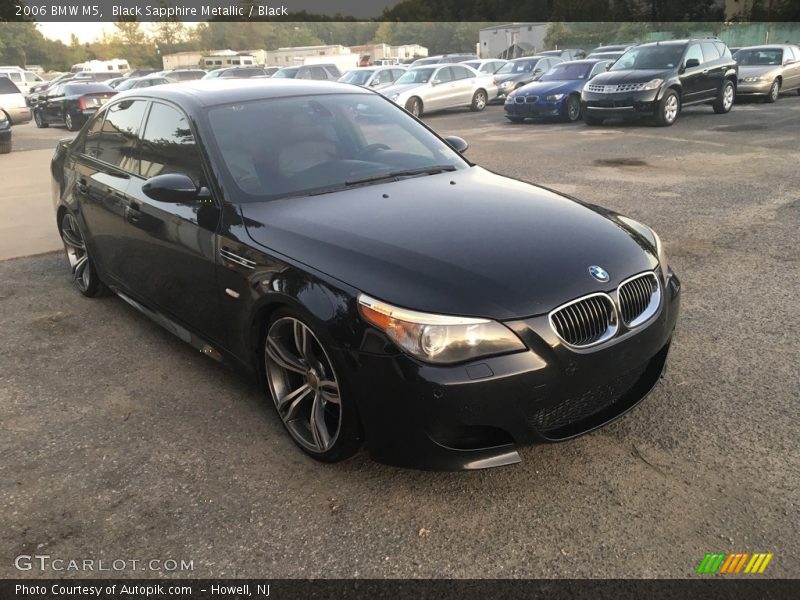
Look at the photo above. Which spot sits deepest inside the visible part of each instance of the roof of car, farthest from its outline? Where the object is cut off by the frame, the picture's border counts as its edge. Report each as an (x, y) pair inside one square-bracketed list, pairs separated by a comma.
[(211, 92), (583, 61)]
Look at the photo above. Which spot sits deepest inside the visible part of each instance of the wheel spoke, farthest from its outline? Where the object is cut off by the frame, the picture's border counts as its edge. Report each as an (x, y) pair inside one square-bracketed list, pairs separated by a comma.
[(278, 354), (78, 270), (319, 429), (71, 239), (301, 339), (329, 390), (290, 403)]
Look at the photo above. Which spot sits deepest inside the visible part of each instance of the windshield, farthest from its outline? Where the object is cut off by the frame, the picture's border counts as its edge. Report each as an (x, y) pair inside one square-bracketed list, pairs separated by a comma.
[(663, 57), (79, 89), (567, 72), (289, 72), (7, 86), (761, 57), (357, 77), (521, 66), (416, 76), (326, 143)]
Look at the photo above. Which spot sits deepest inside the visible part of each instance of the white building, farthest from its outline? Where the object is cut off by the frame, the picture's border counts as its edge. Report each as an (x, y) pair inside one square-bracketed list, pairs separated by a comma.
[(283, 57), (511, 40)]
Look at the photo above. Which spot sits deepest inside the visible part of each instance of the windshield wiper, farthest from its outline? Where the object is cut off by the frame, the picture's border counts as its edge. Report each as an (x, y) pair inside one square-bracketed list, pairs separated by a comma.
[(397, 174)]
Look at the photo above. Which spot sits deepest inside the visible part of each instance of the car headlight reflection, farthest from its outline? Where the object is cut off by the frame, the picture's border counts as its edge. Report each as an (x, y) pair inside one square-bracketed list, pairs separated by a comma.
[(553, 97), (439, 338)]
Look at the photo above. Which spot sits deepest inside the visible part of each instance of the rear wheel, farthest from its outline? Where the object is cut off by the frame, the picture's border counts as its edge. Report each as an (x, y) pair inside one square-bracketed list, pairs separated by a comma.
[(5, 147), (479, 100), (71, 123), (572, 109), (668, 109), (774, 92), (306, 390), (724, 101), (414, 106), (592, 120), (37, 117), (84, 275)]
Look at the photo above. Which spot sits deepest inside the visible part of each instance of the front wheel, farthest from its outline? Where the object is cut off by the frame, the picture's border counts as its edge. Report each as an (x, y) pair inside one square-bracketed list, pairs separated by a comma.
[(774, 91), (724, 101), (307, 391), (414, 106), (668, 109), (5, 147), (37, 117), (572, 109), (84, 274), (479, 100)]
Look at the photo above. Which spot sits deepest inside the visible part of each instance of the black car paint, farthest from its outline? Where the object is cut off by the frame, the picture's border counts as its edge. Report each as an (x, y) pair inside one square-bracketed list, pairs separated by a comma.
[(694, 85), (54, 107), (177, 262)]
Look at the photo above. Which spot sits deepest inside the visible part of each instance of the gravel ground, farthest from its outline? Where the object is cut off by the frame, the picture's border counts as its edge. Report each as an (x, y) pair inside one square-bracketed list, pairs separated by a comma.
[(117, 441)]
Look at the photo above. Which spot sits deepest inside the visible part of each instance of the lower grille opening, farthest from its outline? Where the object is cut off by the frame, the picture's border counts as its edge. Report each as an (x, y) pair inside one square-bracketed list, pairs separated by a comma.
[(471, 437)]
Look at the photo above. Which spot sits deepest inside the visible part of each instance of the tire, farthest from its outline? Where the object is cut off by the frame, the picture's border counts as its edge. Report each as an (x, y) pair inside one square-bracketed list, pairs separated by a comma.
[(310, 399), (592, 120), (414, 106), (37, 117), (798, 91), (774, 92), (479, 101), (725, 98), (5, 147), (84, 274), (70, 123), (572, 109), (668, 109), (515, 119)]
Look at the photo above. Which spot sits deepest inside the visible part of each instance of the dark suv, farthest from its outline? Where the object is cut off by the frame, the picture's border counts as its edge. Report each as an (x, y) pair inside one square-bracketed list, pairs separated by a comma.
[(658, 79)]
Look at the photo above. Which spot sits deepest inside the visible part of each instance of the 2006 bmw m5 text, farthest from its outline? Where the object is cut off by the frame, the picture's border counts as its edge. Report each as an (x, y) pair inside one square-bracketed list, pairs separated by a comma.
[(383, 289)]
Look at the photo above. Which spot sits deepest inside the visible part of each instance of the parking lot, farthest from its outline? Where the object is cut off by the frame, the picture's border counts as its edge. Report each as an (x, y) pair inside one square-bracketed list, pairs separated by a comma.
[(118, 441)]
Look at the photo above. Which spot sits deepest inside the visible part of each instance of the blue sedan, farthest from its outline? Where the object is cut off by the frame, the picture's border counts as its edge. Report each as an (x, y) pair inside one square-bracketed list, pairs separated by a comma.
[(557, 94)]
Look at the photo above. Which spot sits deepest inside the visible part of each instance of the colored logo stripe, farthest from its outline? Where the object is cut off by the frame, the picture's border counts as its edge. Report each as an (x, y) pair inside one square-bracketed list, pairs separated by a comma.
[(722, 563)]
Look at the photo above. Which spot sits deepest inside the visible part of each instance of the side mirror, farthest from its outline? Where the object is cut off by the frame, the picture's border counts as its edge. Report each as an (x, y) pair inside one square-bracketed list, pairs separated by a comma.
[(435, 82), (609, 65), (458, 144), (175, 188), (692, 62)]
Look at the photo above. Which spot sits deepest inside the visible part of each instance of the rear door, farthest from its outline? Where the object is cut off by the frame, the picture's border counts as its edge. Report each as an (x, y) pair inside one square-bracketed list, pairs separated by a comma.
[(713, 70), (103, 177), (792, 69), (170, 247), (464, 85)]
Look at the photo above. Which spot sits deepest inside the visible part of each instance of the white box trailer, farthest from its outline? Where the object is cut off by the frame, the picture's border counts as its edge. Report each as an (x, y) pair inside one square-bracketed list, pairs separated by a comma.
[(344, 62)]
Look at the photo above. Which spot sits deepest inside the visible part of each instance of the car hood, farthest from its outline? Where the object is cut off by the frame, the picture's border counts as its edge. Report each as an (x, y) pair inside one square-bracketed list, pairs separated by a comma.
[(400, 89), (549, 87), (630, 76), (756, 70), (468, 242)]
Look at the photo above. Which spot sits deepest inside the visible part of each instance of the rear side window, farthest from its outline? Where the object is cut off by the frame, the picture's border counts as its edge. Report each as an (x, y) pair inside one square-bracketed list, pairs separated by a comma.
[(710, 51), (168, 145), (119, 137), (7, 86)]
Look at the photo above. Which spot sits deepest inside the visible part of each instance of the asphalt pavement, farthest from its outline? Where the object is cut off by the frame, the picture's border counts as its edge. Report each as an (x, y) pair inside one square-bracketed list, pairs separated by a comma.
[(119, 441)]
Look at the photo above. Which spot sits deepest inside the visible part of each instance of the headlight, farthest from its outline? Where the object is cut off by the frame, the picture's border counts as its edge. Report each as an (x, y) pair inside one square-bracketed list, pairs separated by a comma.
[(438, 338), (653, 238), (505, 84), (754, 79), (553, 98), (653, 84)]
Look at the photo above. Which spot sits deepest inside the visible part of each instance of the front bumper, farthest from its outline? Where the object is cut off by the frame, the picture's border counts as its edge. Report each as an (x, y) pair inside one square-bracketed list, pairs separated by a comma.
[(625, 105), (18, 115), (535, 109), (477, 415), (753, 88)]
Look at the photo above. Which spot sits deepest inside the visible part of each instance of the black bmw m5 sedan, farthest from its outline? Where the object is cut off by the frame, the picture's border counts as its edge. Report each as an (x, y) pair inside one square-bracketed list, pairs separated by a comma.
[(383, 289)]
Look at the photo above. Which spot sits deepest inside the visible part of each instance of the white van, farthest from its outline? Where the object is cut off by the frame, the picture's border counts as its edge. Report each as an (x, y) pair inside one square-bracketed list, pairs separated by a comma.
[(23, 79)]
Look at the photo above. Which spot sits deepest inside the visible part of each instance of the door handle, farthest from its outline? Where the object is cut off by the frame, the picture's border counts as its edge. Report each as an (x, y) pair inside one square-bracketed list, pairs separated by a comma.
[(133, 212), (82, 186), (705, 71)]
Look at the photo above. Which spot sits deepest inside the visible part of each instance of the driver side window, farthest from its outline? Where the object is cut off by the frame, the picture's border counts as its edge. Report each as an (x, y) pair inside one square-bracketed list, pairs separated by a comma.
[(694, 52)]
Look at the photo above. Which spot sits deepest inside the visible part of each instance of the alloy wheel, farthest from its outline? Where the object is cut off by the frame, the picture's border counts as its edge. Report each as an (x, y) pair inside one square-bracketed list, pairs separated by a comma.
[(573, 108), (774, 91), (75, 248), (479, 103), (68, 122), (303, 385), (671, 108), (727, 97)]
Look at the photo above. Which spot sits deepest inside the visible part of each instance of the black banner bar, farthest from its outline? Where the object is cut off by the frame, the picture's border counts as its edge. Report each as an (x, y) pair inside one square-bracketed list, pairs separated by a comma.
[(734, 588)]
